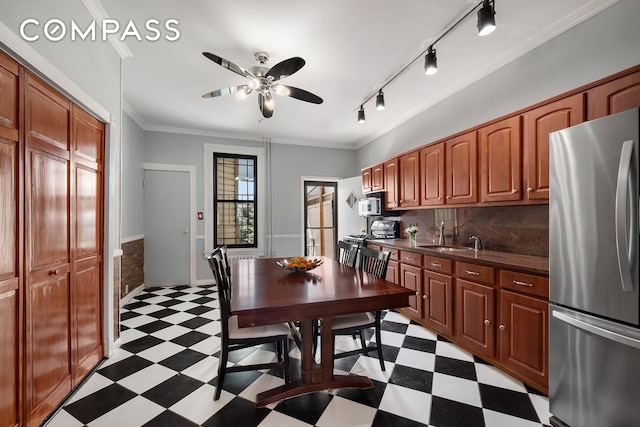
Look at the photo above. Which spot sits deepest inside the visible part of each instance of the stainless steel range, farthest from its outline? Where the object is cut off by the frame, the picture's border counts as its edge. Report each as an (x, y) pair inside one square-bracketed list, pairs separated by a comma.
[(380, 229)]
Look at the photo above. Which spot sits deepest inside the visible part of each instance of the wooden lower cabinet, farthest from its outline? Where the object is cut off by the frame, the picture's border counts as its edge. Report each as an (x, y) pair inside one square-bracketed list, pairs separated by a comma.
[(524, 337), (411, 278), (475, 316), (437, 302)]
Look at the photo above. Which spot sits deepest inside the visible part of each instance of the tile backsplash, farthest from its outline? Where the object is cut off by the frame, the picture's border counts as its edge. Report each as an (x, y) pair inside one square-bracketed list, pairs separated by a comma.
[(515, 229)]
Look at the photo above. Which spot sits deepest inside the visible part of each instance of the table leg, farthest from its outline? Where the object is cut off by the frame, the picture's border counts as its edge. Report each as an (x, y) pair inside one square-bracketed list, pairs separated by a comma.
[(315, 377)]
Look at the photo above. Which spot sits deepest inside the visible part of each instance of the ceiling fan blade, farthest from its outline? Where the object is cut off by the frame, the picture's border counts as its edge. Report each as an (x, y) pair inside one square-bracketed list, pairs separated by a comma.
[(297, 93), (226, 91), (263, 103), (285, 68), (225, 63)]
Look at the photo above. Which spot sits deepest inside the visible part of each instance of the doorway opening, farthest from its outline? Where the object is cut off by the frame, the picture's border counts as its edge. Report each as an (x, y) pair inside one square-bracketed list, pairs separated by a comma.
[(320, 218)]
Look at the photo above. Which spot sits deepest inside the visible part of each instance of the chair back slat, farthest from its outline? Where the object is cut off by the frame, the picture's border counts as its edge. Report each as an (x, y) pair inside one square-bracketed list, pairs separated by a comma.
[(374, 262), (347, 253), (216, 263)]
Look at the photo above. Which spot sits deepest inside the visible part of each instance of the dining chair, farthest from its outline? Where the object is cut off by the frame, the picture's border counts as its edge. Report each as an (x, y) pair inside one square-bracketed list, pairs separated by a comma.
[(347, 253), (235, 338), (225, 258), (372, 262)]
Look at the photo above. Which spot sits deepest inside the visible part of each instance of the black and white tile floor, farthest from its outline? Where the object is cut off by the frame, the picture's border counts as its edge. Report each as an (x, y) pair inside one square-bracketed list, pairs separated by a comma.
[(164, 371)]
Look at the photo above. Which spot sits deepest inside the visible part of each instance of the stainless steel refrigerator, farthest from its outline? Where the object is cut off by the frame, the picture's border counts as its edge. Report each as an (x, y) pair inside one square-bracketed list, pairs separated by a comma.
[(594, 316)]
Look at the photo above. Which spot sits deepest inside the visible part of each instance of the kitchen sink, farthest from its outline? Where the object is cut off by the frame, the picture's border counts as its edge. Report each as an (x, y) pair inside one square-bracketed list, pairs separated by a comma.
[(444, 248)]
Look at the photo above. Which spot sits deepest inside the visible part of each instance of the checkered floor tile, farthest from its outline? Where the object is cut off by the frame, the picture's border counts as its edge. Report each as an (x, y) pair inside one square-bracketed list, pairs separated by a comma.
[(164, 373)]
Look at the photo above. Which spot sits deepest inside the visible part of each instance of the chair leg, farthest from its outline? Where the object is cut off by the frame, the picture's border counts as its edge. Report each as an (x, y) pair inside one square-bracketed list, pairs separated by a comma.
[(362, 341), (278, 345), (222, 369), (379, 342), (285, 363)]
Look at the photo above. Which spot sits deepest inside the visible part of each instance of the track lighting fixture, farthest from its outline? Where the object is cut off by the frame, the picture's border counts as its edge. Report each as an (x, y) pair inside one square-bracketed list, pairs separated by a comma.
[(430, 62), (361, 118), (486, 25), (486, 18), (380, 101)]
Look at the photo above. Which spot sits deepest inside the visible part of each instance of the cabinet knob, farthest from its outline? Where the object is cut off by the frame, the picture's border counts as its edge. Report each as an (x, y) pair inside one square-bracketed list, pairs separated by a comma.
[(448, 196), (440, 198), (529, 190), (54, 272), (424, 297), (502, 327), (487, 322), (514, 191)]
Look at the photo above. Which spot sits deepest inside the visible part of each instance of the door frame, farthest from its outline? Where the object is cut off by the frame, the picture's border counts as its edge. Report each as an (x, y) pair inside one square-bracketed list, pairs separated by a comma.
[(303, 214), (191, 170)]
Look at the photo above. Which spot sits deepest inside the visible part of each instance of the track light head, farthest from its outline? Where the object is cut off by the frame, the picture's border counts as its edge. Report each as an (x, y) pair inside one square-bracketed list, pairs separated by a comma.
[(361, 118), (380, 101), (430, 62), (486, 18)]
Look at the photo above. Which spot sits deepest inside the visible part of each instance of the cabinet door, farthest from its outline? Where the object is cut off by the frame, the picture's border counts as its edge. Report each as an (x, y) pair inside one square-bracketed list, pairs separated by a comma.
[(524, 336), (501, 172), (391, 183), (47, 237), (475, 314), (537, 125), (613, 97), (8, 98), (410, 180), (367, 180), (393, 272), (438, 302), (411, 278), (432, 175), (377, 177), (461, 160), (86, 291)]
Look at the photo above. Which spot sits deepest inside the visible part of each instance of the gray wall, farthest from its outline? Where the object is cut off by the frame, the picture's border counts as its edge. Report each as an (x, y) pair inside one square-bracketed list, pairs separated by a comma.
[(603, 45), (132, 176)]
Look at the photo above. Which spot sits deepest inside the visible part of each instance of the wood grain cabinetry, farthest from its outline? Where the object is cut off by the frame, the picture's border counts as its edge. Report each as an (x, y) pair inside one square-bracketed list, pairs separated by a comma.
[(461, 176), (523, 326), (614, 96), (11, 214), (500, 165), (51, 235), (391, 183), (537, 125), (373, 178), (410, 180), (411, 278), (367, 180), (432, 175), (437, 294), (475, 307)]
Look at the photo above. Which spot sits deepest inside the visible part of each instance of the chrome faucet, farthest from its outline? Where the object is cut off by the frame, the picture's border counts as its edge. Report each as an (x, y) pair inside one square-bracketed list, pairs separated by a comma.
[(477, 243), (441, 238)]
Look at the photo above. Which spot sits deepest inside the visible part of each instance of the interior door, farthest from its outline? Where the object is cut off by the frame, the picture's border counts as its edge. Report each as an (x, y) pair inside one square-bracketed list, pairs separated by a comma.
[(166, 228), (320, 218)]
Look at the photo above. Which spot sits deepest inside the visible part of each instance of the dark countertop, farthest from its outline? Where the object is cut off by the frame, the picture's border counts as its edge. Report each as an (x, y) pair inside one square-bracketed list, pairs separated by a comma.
[(518, 262)]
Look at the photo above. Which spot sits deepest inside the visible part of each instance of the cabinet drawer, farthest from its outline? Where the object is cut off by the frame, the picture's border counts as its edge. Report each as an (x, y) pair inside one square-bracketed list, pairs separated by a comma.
[(527, 283), (395, 253), (478, 273), (411, 258), (441, 265)]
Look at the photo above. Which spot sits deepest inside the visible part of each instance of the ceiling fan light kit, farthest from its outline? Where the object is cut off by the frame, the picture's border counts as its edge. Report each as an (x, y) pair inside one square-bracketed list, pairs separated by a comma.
[(486, 24), (262, 80)]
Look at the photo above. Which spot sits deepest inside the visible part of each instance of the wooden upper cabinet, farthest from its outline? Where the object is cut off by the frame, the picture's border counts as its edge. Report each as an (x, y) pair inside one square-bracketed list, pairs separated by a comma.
[(461, 159), (410, 180), (9, 89), (613, 97), (432, 175), (391, 183), (377, 177), (367, 180), (500, 165), (537, 125)]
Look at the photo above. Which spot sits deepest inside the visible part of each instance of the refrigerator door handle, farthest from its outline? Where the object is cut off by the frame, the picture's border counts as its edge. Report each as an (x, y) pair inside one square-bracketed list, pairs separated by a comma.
[(623, 235), (597, 330)]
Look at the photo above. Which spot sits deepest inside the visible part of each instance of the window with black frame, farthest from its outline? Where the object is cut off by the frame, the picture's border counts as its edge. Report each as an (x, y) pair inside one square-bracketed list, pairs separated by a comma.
[(235, 200)]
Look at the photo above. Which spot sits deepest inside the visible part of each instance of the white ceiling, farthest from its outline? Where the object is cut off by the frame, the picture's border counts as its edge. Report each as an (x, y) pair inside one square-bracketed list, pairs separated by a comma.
[(351, 49)]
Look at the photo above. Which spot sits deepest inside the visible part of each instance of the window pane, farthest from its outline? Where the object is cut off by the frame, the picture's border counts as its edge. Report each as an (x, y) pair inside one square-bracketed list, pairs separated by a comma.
[(235, 200)]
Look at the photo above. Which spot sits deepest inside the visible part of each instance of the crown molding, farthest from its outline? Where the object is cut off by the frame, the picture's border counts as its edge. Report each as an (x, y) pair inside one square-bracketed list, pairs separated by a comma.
[(97, 12)]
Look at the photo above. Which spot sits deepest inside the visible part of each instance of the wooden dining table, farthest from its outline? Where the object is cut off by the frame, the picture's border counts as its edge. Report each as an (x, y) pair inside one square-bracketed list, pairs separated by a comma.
[(264, 293)]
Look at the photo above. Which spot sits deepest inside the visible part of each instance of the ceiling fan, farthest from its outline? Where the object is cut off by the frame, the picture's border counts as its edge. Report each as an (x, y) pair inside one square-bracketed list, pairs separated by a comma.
[(263, 81)]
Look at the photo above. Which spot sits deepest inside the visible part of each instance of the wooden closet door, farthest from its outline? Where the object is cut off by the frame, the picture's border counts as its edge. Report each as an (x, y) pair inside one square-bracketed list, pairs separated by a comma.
[(86, 290), (10, 245), (48, 239)]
